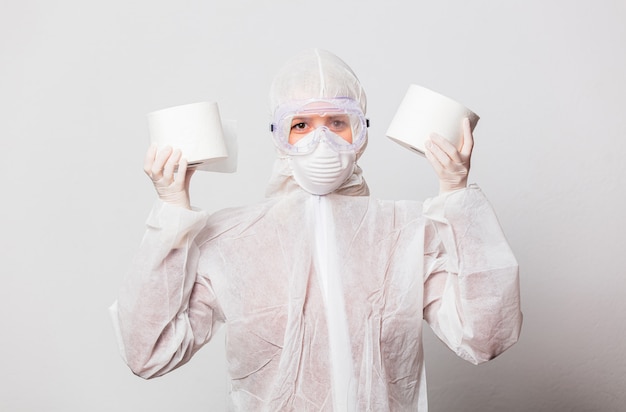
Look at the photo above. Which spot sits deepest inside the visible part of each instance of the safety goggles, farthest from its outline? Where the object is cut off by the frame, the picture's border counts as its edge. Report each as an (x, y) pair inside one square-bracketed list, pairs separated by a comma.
[(295, 122)]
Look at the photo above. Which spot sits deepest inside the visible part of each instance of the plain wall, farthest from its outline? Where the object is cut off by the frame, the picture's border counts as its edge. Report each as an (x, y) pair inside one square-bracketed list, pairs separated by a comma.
[(77, 78)]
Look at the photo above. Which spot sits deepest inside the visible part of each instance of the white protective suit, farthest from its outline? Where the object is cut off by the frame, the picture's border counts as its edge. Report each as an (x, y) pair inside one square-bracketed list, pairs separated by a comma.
[(323, 296)]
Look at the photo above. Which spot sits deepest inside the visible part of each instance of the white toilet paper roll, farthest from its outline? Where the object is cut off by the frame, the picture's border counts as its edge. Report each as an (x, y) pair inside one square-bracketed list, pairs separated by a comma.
[(195, 129), (423, 112)]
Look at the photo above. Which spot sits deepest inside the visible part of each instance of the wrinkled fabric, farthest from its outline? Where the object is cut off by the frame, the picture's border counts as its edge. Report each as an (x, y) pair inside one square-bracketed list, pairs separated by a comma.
[(254, 269), (315, 73)]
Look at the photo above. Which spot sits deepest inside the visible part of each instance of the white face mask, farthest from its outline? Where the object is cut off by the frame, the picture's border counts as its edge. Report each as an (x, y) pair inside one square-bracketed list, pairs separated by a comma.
[(324, 169)]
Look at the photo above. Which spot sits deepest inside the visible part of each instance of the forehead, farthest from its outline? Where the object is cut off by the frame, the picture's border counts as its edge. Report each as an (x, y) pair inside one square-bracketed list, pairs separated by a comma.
[(319, 115), (319, 109)]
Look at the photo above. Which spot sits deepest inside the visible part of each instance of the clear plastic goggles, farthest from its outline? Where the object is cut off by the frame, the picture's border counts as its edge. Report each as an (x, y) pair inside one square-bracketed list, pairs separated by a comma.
[(295, 122)]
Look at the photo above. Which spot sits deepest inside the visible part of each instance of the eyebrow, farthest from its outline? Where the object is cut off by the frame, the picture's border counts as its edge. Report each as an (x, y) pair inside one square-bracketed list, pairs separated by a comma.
[(299, 119)]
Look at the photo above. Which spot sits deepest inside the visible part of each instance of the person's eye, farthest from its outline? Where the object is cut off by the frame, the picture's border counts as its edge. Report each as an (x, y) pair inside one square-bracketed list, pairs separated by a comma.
[(299, 127), (339, 124)]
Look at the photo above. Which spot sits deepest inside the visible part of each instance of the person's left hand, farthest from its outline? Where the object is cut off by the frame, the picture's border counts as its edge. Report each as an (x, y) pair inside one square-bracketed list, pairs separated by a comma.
[(451, 165)]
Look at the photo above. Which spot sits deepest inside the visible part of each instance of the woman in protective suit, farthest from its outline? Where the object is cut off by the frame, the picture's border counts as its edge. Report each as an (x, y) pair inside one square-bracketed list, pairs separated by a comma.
[(323, 287)]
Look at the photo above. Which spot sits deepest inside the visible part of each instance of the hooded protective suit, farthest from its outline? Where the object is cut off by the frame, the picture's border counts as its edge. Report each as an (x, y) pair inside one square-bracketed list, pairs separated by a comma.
[(323, 296)]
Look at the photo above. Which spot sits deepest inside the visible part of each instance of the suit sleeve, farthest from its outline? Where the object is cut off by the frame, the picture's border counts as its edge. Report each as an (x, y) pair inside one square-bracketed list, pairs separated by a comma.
[(471, 295), (164, 312)]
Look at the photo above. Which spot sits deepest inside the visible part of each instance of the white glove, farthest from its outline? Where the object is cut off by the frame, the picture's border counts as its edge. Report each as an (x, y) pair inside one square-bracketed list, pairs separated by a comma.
[(451, 165), (172, 186)]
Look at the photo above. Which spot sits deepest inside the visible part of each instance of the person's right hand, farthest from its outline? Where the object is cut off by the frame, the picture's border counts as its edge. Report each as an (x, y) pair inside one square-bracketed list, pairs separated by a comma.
[(171, 186)]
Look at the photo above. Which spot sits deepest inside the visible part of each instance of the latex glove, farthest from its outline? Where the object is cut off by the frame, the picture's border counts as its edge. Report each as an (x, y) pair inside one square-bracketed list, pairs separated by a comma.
[(172, 186), (451, 165)]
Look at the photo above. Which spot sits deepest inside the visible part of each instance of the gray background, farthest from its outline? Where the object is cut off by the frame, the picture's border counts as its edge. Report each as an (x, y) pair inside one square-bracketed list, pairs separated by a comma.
[(78, 77)]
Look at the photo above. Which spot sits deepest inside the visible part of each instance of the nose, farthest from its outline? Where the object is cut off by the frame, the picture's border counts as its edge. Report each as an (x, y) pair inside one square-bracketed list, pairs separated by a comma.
[(321, 133)]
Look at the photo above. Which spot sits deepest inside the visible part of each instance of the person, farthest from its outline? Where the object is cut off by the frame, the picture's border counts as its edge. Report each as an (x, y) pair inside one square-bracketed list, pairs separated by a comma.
[(323, 288)]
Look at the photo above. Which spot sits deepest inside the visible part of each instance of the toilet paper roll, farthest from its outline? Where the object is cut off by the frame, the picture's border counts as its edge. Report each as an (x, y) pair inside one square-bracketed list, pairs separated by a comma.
[(423, 112), (195, 129)]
